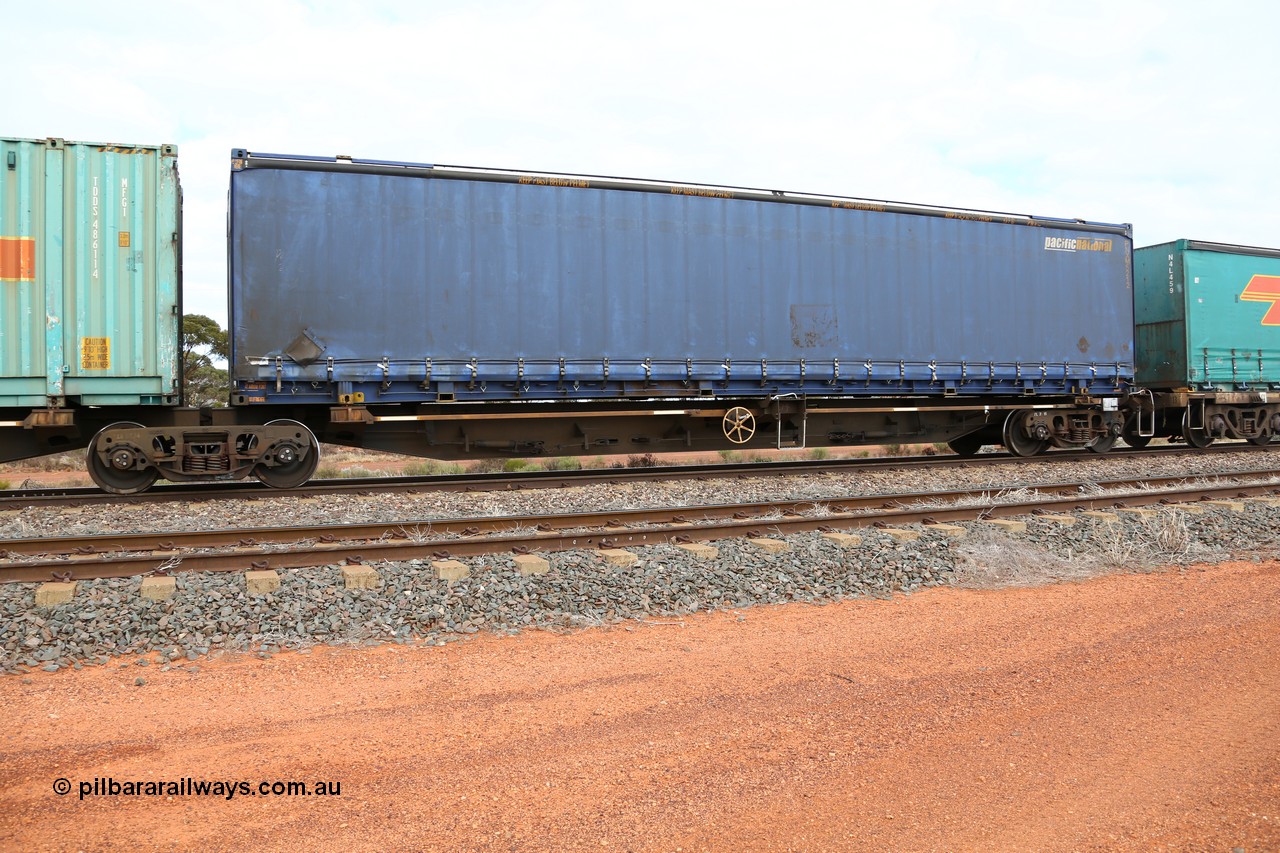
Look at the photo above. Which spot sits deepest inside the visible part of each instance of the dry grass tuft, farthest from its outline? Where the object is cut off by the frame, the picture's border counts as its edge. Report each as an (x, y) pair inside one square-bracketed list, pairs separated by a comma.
[(1161, 540), (991, 560)]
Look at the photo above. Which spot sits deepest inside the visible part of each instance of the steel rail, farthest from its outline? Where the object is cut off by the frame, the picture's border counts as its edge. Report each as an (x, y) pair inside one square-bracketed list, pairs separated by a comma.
[(240, 490), (480, 525), (683, 524)]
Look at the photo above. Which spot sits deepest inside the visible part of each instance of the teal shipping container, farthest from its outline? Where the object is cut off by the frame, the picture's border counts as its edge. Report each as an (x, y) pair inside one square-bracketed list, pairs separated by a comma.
[(90, 269), (1208, 316)]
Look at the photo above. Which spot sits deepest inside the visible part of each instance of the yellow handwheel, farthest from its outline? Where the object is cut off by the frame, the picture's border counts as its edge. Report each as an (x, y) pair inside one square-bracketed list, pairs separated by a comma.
[(739, 425)]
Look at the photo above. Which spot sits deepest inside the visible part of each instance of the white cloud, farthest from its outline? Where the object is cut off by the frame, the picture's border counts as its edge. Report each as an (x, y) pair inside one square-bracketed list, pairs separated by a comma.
[(1159, 114)]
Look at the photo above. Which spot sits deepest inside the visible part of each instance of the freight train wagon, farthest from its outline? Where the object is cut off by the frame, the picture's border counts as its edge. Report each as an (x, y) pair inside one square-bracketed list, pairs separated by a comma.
[(490, 311), (1208, 336), (455, 313)]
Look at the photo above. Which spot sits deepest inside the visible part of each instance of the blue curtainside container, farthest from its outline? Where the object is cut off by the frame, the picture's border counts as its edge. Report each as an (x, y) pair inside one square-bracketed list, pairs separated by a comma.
[(360, 281), (90, 306), (1208, 317)]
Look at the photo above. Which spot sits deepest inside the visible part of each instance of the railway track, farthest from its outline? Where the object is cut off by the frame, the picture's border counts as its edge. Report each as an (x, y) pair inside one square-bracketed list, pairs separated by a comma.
[(123, 555), (241, 490)]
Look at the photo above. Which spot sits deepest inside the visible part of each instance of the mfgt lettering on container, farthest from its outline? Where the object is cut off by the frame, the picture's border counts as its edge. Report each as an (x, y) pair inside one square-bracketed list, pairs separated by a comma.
[(1076, 244), (701, 192), (858, 205), (547, 181)]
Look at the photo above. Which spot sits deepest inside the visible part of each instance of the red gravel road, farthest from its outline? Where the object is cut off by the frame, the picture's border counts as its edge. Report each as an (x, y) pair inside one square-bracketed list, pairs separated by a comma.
[(1131, 712)]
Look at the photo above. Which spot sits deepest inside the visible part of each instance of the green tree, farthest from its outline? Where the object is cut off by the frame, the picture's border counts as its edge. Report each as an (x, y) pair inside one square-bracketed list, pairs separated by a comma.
[(204, 343)]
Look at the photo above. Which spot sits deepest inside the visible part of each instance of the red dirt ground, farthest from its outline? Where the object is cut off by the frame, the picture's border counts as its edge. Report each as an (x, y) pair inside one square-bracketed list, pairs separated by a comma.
[(1131, 712)]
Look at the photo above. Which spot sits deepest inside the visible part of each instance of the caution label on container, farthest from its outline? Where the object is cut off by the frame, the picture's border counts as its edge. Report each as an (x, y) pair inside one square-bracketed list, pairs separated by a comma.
[(17, 259), (95, 353)]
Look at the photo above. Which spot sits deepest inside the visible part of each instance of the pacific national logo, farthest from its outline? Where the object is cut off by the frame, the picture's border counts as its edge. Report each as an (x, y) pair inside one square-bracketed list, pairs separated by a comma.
[(1076, 244), (1265, 288)]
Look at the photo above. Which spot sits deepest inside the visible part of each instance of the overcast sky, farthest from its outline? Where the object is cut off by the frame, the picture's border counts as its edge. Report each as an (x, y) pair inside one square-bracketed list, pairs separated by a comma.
[(1162, 114)]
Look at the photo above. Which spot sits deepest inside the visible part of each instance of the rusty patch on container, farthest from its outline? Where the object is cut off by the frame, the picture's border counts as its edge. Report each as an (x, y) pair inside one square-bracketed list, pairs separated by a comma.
[(1083, 344), (814, 326)]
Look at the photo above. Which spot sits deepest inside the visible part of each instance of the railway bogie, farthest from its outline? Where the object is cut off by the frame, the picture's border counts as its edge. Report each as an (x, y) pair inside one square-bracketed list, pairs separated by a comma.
[(126, 458), (1201, 421), (1029, 432)]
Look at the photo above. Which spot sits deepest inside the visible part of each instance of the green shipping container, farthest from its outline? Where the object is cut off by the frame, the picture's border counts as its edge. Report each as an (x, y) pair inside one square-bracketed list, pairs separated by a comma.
[(1208, 316), (90, 269)]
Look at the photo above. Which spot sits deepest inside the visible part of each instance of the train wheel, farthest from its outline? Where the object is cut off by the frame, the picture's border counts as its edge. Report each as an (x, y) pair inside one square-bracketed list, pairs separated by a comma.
[(117, 475), (1018, 443), (1103, 444), (967, 445), (1194, 437), (296, 466), (1131, 437), (739, 425), (1262, 439)]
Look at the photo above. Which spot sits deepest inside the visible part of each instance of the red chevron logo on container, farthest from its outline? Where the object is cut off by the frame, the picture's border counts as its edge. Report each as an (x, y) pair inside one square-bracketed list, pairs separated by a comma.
[(1265, 288)]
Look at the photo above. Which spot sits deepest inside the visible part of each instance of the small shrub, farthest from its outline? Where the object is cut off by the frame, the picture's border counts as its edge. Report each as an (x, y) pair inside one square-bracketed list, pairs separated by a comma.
[(512, 466), (327, 472), (486, 466), (819, 453), (57, 462), (730, 456), (1171, 539), (358, 473), (564, 463), (4, 484), (431, 468), (644, 460), (1158, 541)]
